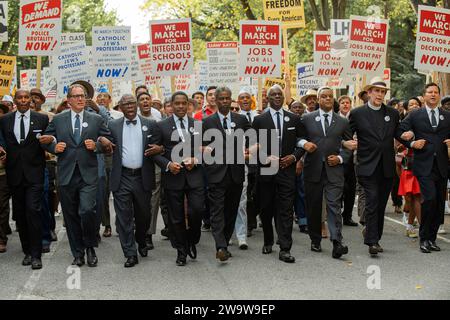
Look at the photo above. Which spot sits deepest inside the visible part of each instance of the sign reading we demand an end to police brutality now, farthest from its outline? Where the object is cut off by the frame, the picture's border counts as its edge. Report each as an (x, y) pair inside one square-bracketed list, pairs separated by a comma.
[(171, 47), (367, 46), (40, 27), (111, 52), (260, 49), (433, 39)]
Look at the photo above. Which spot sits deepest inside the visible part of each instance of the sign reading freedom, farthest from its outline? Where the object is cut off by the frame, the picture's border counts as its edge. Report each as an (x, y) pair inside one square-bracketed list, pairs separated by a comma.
[(291, 13)]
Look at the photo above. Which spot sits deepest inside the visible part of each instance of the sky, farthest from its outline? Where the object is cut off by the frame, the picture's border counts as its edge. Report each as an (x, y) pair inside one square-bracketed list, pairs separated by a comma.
[(129, 13)]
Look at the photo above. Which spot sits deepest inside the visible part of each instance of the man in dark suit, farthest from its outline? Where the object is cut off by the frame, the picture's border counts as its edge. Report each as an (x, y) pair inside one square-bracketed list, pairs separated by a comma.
[(431, 128), (182, 177), (324, 170), (76, 136), (132, 177), (376, 127), (25, 165), (277, 132), (226, 172)]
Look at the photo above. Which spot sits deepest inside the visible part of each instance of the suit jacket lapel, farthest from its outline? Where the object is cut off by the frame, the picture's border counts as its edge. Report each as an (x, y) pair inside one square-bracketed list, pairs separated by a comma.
[(334, 118), (11, 125), (120, 125), (318, 123), (69, 124), (84, 130), (144, 133), (30, 128)]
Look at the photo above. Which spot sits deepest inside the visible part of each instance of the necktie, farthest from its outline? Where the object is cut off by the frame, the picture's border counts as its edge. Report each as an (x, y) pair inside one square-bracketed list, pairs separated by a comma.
[(327, 124), (131, 121), (279, 132), (77, 131), (183, 128), (433, 119), (249, 117), (22, 129), (225, 126)]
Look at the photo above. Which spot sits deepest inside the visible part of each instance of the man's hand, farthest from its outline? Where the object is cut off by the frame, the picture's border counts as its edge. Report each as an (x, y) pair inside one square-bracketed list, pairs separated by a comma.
[(310, 147), (407, 136), (153, 149), (272, 158), (419, 144), (93, 105), (299, 168), (189, 163), (246, 155), (350, 145), (333, 161), (46, 139), (60, 147), (447, 142), (287, 161), (107, 145), (90, 144), (2, 154), (174, 167), (207, 149)]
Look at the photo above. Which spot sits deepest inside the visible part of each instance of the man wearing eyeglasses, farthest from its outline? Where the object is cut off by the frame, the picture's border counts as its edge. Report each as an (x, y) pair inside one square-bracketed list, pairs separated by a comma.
[(76, 137)]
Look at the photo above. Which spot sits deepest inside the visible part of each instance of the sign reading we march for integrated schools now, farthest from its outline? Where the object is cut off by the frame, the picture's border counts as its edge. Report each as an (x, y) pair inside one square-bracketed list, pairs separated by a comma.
[(367, 46), (171, 47), (40, 27), (291, 13), (433, 39), (260, 49), (111, 52)]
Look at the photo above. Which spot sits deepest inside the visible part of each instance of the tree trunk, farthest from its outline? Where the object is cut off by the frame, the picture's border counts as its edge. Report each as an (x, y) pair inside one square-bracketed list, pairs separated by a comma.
[(317, 17), (325, 14)]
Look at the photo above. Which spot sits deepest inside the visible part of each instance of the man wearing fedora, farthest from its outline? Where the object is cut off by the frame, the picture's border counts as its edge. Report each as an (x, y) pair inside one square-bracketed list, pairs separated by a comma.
[(376, 127), (310, 100)]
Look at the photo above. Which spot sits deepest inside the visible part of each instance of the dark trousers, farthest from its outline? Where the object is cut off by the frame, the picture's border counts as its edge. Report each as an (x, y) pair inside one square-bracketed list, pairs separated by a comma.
[(4, 209), (376, 190), (348, 197), (433, 190), (206, 213), (315, 192), (106, 215), (133, 212), (180, 235), (46, 214), (277, 202), (224, 200), (299, 205), (26, 199), (252, 199), (52, 196), (397, 200), (164, 208), (78, 201)]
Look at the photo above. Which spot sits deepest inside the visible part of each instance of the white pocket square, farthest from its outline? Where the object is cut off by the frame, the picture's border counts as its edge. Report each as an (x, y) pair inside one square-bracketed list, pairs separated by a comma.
[(37, 130), (149, 136), (291, 128)]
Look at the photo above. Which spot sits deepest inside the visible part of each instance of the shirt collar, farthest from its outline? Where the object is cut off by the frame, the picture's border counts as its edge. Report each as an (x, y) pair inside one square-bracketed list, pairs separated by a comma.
[(26, 114), (429, 109), (185, 119), (321, 112), (273, 111), (73, 113), (221, 116), (373, 107)]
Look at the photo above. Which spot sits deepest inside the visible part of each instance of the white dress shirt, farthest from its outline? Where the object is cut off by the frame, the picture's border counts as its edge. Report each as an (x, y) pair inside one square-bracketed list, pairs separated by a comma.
[(273, 113), (253, 114), (322, 119), (26, 122), (73, 117), (132, 149)]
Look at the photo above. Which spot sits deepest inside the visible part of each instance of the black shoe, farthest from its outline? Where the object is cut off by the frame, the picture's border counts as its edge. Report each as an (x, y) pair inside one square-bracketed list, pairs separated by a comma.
[(192, 252), (206, 227), (107, 232), (339, 249), (373, 250), (27, 260), (53, 235), (425, 247), (143, 251), (149, 242), (379, 248), (350, 223), (304, 229), (91, 257), (286, 257), (267, 249), (131, 262), (8, 230), (78, 261), (433, 246), (181, 259), (249, 233), (36, 264), (316, 247), (165, 232), (222, 254), (45, 248)]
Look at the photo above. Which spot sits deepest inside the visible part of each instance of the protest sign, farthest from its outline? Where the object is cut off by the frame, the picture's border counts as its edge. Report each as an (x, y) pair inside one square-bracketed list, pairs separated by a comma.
[(145, 64), (3, 21), (260, 49), (202, 76), (306, 79), (74, 37), (387, 80), (7, 67), (367, 46), (291, 13), (28, 78), (70, 65), (171, 47), (135, 71), (433, 39), (340, 29), (325, 65), (111, 53), (40, 27), (223, 64)]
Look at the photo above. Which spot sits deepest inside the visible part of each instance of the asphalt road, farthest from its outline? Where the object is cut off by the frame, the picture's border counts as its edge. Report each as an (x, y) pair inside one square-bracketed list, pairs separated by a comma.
[(401, 272)]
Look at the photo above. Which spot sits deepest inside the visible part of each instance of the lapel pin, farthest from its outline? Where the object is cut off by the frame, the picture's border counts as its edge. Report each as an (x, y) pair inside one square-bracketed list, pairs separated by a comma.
[(441, 117), (144, 128), (387, 118), (233, 124), (286, 119), (85, 125), (317, 118)]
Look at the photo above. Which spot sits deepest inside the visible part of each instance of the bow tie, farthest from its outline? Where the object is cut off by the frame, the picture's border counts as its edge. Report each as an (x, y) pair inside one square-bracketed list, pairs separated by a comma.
[(132, 121)]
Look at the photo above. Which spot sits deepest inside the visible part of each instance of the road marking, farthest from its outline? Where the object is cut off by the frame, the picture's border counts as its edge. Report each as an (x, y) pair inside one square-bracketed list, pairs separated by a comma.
[(26, 293), (399, 222)]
